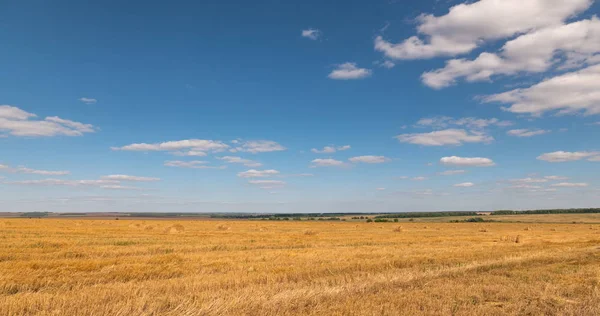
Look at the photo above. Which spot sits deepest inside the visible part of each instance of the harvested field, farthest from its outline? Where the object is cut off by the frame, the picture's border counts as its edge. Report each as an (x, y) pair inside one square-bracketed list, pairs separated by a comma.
[(137, 267)]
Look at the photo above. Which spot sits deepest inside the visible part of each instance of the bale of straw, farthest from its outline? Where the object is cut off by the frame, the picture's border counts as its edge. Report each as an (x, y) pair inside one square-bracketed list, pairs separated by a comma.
[(175, 229)]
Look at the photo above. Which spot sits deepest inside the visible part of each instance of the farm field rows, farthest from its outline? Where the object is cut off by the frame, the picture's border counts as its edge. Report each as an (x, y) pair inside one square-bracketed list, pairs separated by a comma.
[(163, 267)]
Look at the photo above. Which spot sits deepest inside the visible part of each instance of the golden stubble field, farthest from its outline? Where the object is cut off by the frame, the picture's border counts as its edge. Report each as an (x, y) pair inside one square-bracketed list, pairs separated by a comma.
[(161, 267)]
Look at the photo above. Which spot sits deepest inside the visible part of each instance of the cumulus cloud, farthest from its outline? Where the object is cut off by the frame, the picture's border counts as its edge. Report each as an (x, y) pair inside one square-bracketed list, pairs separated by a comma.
[(88, 100), (252, 173), (468, 25), (349, 71), (194, 164), (123, 177), (197, 145), (464, 184), (527, 132), (330, 149), (419, 178), (534, 52), (569, 185), (260, 146), (467, 161), (369, 159), (452, 172), (445, 137), (569, 93), (326, 163), (311, 33), (240, 160), (21, 123), (564, 156)]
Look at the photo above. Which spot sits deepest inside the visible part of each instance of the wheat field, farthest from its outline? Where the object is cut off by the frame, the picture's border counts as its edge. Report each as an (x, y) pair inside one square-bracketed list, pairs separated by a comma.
[(163, 267)]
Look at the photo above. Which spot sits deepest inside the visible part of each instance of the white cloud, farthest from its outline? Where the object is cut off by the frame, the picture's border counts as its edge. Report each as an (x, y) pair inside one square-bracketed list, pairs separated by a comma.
[(348, 71), (260, 146), (268, 183), (120, 187), (299, 175), (569, 185), (380, 189), (525, 186), (564, 156), (22, 169), (452, 172), (594, 159), (21, 123), (327, 163), (467, 162), (527, 132), (369, 159), (439, 122), (194, 164), (464, 185), (88, 100), (240, 160), (312, 34), (556, 178), (14, 113), (419, 178), (252, 173), (189, 153), (569, 93), (41, 172), (59, 182), (533, 52), (468, 25), (386, 64), (330, 149), (122, 177), (197, 145), (530, 180), (445, 137)]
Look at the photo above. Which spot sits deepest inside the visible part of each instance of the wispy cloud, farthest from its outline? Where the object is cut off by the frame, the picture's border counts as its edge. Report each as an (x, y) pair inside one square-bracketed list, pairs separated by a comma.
[(88, 100), (313, 34)]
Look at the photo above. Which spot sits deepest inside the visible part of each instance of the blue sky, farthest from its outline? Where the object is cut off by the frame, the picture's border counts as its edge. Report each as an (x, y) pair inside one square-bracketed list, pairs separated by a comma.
[(317, 106)]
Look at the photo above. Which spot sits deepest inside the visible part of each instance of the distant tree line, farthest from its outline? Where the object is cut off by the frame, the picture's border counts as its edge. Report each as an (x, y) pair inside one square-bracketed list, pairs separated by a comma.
[(34, 214), (471, 220), (550, 211), (282, 215), (426, 214)]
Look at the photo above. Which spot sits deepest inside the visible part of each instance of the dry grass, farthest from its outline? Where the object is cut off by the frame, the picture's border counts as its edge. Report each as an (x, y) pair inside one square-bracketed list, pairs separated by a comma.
[(108, 267)]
